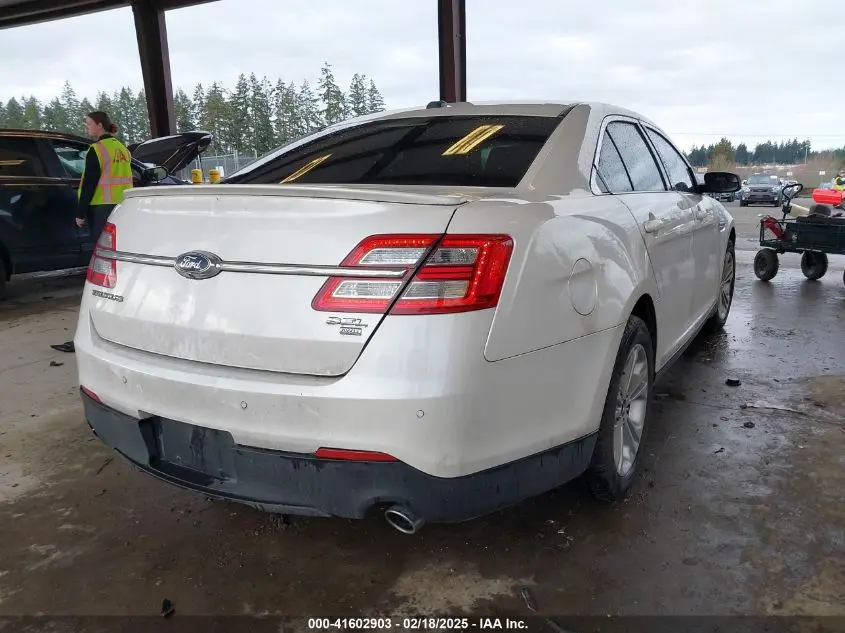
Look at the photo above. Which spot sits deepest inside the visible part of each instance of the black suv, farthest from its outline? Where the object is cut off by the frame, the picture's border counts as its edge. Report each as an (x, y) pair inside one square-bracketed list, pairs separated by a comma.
[(762, 189), (39, 176)]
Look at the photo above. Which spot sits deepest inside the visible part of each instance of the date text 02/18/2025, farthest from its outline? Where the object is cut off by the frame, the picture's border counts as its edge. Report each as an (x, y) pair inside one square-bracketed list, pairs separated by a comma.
[(416, 624)]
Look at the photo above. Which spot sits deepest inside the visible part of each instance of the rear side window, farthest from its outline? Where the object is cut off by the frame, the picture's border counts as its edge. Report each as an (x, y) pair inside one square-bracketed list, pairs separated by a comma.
[(71, 158), (676, 168), (468, 151), (638, 159), (19, 158), (611, 169)]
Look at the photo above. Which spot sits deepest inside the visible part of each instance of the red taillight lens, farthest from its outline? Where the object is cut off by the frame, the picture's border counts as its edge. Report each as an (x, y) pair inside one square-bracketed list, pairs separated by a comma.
[(353, 456), (91, 394), (102, 271), (462, 273)]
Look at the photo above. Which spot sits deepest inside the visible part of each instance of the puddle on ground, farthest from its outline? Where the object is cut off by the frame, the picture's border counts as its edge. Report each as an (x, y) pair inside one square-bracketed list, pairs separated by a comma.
[(437, 589)]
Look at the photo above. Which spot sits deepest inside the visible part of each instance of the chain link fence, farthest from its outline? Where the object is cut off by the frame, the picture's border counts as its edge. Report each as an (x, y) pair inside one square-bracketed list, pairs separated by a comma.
[(230, 163)]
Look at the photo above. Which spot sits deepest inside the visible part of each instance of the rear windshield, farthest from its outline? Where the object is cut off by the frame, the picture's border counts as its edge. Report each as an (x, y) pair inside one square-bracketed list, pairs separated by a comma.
[(466, 151)]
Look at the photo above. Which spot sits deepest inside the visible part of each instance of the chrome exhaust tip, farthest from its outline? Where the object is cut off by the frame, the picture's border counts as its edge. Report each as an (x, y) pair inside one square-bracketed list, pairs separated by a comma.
[(403, 519)]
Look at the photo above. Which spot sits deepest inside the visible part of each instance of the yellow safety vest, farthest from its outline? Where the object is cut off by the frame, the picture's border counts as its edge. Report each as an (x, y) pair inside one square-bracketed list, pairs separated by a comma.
[(115, 172), (838, 183)]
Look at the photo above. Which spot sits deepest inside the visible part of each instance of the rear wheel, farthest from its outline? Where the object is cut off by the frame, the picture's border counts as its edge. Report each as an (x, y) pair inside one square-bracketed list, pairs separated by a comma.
[(813, 265), (624, 422), (743, 203), (766, 264)]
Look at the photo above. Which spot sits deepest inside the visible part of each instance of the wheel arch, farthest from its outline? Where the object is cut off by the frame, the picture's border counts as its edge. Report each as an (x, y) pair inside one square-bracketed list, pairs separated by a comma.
[(645, 310)]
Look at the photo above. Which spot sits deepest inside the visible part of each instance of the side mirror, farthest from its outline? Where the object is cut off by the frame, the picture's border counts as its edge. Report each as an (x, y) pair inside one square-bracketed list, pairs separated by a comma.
[(154, 175), (721, 182)]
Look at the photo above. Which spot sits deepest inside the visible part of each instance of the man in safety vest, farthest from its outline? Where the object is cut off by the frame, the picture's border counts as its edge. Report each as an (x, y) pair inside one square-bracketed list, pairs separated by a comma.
[(107, 174), (839, 181)]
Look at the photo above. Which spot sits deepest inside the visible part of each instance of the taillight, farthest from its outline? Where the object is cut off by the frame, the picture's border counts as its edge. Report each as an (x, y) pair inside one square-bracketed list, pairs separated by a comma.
[(459, 273), (102, 271)]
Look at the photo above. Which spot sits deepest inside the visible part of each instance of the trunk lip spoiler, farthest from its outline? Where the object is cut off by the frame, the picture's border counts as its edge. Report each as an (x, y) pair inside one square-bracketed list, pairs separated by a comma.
[(262, 268)]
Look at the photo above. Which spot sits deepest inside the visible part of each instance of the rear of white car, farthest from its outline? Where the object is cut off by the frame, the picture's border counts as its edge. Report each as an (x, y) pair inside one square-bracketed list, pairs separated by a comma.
[(320, 350)]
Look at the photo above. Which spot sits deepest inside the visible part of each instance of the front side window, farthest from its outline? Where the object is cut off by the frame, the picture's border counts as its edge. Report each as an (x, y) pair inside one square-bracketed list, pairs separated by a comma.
[(637, 157), (19, 158), (676, 167), (469, 151)]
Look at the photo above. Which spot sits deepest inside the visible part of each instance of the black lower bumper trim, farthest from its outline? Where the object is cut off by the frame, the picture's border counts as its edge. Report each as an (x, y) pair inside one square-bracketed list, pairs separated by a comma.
[(208, 461)]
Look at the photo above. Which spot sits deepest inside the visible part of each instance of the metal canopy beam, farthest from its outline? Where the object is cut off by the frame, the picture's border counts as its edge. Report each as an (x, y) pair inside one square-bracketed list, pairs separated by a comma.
[(151, 30), (451, 35)]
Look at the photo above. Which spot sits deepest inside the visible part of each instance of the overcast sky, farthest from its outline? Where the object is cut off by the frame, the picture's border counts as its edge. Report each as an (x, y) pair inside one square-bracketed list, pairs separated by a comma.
[(699, 69)]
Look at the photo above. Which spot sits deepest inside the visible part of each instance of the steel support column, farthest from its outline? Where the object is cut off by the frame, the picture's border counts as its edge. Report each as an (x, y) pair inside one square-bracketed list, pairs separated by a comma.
[(155, 66), (451, 35)]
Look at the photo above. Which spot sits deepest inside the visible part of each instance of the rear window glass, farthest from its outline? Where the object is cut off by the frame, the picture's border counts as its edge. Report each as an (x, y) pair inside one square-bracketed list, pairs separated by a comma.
[(476, 151)]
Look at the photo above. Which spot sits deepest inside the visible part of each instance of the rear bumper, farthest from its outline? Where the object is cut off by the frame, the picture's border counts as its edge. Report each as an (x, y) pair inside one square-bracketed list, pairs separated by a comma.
[(209, 461)]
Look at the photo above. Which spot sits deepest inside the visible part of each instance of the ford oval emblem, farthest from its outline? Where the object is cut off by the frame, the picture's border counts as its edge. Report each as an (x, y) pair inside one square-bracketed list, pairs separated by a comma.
[(197, 265)]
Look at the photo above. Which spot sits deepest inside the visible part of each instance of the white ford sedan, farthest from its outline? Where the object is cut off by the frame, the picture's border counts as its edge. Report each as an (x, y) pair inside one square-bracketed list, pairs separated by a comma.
[(430, 313)]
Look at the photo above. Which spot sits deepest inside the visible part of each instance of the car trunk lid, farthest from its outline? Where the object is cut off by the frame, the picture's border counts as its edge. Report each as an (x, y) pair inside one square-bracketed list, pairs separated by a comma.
[(276, 246)]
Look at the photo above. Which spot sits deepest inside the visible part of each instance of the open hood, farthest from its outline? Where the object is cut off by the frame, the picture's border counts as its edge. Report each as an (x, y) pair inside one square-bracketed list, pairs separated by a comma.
[(172, 152)]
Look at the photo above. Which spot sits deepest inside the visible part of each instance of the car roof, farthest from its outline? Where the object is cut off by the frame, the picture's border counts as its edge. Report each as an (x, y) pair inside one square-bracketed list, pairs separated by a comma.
[(48, 134), (516, 108)]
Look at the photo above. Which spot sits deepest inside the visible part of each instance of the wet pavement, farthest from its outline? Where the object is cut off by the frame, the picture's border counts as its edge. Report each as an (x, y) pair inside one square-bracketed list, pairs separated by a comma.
[(739, 509)]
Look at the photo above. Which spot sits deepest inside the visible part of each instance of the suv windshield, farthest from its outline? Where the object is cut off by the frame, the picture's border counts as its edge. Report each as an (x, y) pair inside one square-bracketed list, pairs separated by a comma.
[(467, 151), (762, 179)]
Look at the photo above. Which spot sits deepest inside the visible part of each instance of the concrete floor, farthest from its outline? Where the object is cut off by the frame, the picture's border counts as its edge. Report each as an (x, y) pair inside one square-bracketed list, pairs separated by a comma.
[(739, 510)]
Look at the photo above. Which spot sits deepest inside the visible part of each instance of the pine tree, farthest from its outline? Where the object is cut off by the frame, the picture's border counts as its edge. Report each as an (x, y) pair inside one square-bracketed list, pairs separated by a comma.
[(216, 119), (32, 114), (261, 93), (123, 115), (70, 103), (375, 101), (140, 118), (55, 118), (184, 111), (3, 115), (240, 122), (334, 101), (14, 114), (286, 119), (84, 107), (308, 105), (104, 104), (198, 104), (357, 99)]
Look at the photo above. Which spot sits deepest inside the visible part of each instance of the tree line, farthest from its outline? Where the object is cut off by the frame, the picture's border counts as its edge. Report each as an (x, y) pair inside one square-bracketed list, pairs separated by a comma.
[(784, 153), (253, 118)]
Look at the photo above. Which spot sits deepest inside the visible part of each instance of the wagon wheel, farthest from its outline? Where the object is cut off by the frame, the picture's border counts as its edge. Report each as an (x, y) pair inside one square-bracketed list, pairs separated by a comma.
[(766, 264), (813, 265)]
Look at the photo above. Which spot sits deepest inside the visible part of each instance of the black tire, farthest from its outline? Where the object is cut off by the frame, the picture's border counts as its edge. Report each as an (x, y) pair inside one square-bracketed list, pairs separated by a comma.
[(728, 273), (766, 264), (813, 265), (843, 278), (3, 274), (603, 478), (743, 203)]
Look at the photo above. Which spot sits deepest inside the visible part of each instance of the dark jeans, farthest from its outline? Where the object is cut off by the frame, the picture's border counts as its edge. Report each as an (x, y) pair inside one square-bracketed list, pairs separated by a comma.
[(97, 216)]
